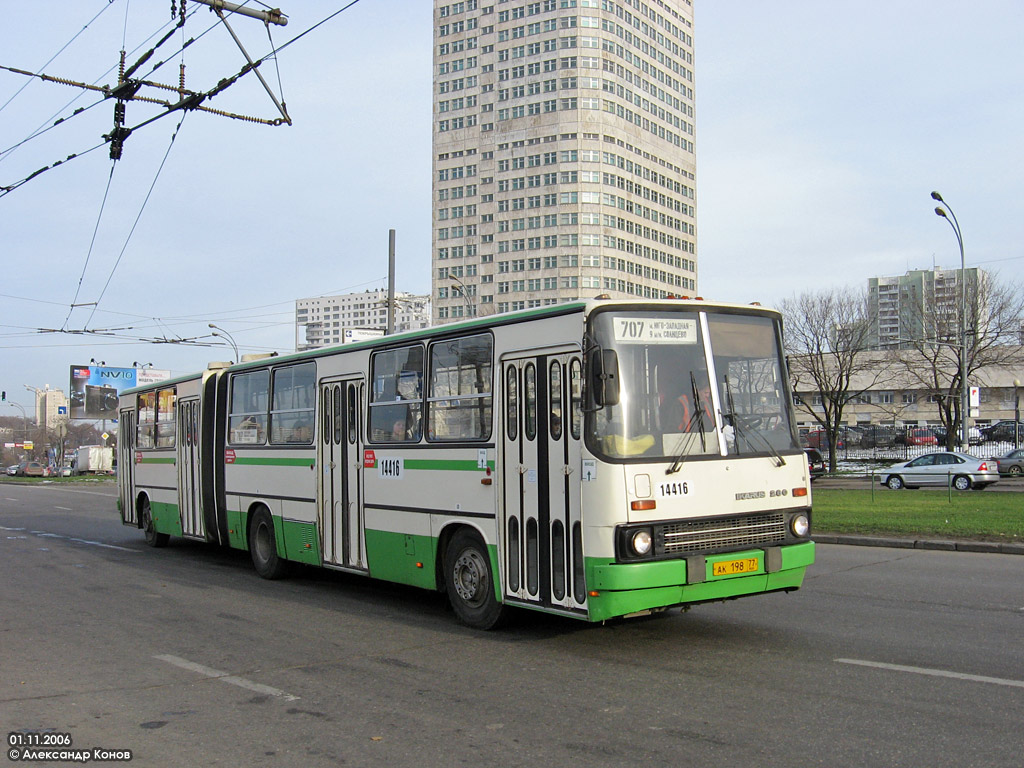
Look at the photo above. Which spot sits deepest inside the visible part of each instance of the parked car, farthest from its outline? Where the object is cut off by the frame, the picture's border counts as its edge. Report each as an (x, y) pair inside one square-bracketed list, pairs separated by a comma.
[(877, 436), (1012, 463), (815, 463), (1003, 431), (12, 470), (917, 436), (31, 469), (974, 435), (961, 470), (818, 438)]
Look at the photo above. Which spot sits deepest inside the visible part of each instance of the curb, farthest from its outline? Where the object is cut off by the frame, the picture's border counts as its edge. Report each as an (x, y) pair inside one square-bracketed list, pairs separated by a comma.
[(990, 547)]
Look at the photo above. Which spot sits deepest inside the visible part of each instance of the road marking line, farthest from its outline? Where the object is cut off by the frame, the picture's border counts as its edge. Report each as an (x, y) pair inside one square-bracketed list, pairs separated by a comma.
[(224, 677), (101, 544), (66, 509), (935, 672), (48, 535)]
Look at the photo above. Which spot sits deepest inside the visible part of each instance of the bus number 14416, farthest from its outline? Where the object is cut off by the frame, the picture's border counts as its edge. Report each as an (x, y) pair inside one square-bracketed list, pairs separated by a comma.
[(674, 489)]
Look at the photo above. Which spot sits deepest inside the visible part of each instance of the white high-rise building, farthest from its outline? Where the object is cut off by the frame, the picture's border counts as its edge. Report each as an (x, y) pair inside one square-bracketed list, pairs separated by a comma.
[(322, 321), (564, 154)]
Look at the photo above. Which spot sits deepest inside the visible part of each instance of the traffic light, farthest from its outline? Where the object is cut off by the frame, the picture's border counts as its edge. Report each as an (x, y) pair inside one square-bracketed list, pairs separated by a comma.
[(3, 396)]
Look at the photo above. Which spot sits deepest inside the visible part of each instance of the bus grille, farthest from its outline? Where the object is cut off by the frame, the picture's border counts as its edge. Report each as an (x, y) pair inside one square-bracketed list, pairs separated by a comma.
[(732, 533)]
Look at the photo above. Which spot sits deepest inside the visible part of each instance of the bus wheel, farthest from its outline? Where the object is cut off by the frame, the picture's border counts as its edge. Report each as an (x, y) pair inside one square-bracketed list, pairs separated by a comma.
[(263, 546), (467, 578), (153, 538)]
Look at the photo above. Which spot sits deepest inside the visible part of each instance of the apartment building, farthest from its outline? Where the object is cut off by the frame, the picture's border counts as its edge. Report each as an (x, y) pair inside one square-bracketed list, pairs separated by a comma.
[(322, 321), (564, 158)]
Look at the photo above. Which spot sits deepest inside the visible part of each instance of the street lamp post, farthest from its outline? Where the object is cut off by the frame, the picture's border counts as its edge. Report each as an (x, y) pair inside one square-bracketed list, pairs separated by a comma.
[(951, 218), (227, 337), (465, 295), (1016, 414), (24, 418)]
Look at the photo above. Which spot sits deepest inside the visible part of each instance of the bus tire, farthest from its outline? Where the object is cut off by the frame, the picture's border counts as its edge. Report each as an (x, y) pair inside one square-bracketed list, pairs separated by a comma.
[(469, 583), (263, 546), (153, 538)]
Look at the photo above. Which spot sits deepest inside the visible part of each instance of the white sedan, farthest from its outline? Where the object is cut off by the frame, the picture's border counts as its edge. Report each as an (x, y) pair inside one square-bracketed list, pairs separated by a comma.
[(961, 470)]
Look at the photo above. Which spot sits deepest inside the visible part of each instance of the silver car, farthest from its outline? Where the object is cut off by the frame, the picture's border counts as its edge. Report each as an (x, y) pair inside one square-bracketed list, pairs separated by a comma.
[(961, 470)]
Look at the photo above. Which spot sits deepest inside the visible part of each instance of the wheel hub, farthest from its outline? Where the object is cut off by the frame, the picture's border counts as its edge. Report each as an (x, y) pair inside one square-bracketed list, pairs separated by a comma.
[(468, 576)]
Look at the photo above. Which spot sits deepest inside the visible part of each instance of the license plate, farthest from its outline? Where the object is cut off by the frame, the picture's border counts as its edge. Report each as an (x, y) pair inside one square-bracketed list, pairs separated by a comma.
[(732, 567)]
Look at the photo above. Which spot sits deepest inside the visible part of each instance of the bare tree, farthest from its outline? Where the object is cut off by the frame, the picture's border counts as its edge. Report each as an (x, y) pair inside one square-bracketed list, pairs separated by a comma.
[(931, 360), (827, 335)]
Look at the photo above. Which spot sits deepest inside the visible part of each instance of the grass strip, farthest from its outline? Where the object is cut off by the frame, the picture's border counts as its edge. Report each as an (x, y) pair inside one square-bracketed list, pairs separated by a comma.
[(920, 513)]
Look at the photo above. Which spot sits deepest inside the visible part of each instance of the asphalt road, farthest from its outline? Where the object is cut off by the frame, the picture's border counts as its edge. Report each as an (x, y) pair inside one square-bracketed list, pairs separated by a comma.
[(185, 657)]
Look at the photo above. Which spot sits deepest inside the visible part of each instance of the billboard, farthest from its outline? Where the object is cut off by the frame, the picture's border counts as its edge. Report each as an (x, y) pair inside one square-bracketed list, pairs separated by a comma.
[(95, 389)]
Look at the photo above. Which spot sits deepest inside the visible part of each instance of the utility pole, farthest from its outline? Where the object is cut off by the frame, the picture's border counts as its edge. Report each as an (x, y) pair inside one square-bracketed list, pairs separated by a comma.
[(391, 283)]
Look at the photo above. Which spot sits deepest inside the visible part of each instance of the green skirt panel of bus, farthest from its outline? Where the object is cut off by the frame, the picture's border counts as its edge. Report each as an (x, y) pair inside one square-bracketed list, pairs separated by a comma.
[(624, 588), (166, 518)]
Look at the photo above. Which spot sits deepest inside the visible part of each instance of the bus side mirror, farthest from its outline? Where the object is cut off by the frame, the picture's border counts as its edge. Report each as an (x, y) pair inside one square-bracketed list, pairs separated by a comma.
[(604, 377)]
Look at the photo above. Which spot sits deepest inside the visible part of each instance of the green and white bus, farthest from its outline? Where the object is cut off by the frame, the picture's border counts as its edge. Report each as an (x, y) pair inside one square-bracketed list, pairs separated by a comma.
[(597, 459)]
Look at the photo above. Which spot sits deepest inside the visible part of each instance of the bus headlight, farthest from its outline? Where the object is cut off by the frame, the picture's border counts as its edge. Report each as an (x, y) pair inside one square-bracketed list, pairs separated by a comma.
[(642, 542), (800, 525)]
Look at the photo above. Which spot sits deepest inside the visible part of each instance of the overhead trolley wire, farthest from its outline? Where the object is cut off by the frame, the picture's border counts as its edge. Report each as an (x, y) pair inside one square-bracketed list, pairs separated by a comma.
[(152, 186), (58, 53), (92, 243)]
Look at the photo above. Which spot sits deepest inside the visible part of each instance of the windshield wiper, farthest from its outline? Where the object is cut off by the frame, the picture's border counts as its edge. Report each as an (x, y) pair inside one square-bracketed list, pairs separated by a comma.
[(745, 430), (697, 419)]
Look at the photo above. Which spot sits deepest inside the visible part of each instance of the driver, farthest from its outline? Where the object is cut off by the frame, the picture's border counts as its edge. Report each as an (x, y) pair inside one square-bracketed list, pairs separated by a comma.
[(678, 410)]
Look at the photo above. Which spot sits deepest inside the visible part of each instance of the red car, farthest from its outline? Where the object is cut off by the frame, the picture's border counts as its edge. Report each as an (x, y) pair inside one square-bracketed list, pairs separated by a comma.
[(819, 439), (921, 437)]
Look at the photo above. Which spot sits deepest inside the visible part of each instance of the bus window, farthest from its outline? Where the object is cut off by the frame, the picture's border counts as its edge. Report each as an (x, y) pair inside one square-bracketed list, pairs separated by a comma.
[(147, 420), (459, 402), (511, 404), (291, 411), (338, 416), (396, 402), (249, 397), (530, 397), (353, 432), (165, 424), (556, 400), (576, 397)]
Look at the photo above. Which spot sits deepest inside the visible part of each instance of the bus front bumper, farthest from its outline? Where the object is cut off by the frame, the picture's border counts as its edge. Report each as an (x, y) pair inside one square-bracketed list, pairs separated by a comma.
[(620, 589)]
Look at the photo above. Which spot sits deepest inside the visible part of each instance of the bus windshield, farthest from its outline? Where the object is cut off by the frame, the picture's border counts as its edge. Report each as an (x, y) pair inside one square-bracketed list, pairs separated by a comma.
[(691, 384)]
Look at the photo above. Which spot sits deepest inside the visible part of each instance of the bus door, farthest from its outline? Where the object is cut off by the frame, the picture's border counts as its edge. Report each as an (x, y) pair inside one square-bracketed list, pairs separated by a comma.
[(189, 498), (339, 458), (542, 428), (126, 465)]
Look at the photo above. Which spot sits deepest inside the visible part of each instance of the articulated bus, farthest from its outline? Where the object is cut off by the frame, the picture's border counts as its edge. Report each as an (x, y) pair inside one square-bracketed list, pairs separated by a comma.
[(596, 459)]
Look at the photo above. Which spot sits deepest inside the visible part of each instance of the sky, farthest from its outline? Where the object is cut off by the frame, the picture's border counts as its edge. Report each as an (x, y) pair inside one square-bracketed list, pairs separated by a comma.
[(822, 129)]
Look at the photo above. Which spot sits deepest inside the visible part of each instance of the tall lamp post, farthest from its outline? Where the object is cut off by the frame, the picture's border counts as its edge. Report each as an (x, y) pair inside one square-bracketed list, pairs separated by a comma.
[(1016, 414), (951, 218), (227, 337), (24, 418), (465, 295)]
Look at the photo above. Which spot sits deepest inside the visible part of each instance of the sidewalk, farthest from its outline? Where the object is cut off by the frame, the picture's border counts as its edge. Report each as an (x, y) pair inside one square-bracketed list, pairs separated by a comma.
[(992, 547)]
